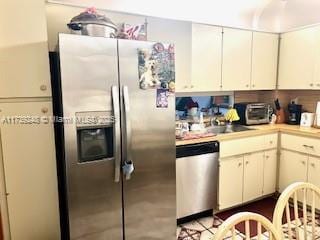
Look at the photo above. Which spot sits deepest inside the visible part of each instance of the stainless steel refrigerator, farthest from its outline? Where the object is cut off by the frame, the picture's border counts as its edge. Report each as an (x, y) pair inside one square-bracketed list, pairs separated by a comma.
[(110, 122)]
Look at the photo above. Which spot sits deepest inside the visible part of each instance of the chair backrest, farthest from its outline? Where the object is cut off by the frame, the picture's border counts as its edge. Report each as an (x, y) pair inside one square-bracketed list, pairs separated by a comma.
[(228, 227), (293, 197)]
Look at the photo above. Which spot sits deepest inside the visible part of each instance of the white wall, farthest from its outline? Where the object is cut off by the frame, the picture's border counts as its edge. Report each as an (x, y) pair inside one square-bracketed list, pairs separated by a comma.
[(227, 12), (264, 15), (59, 15)]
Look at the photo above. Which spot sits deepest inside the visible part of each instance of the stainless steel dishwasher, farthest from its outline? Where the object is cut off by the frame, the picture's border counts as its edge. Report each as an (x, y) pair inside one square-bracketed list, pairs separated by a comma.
[(197, 178)]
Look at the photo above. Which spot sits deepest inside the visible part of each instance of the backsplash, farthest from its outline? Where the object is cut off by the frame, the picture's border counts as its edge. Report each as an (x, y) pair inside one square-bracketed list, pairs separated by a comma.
[(206, 104), (307, 98)]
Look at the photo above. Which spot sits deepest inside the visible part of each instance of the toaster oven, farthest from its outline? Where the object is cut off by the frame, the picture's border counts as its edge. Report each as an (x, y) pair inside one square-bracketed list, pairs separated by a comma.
[(253, 113)]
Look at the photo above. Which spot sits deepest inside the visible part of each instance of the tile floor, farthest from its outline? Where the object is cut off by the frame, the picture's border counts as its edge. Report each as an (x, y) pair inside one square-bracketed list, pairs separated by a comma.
[(205, 228), (200, 229)]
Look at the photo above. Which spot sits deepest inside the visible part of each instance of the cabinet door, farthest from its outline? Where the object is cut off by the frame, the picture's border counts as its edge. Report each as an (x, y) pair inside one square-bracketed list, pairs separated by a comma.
[(230, 182), (313, 171), (253, 176), (314, 177), (30, 171), (269, 172), (28, 22), (179, 33), (293, 168), (297, 59), (24, 60), (236, 59), (206, 57), (24, 71), (264, 61)]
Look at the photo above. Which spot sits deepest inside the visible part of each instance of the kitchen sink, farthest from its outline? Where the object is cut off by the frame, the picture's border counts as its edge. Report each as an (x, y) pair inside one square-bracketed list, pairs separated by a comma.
[(227, 129)]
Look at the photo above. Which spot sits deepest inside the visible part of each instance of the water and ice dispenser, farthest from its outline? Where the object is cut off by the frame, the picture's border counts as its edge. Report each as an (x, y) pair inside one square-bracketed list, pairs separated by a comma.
[(95, 136)]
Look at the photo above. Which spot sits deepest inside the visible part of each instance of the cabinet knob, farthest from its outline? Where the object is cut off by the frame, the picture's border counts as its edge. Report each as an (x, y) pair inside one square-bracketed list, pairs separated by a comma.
[(318, 84), (303, 162), (247, 162), (43, 87), (191, 86), (186, 86), (311, 84), (239, 164), (44, 110), (267, 157), (313, 165), (247, 85), (253, 85), (271, 142)]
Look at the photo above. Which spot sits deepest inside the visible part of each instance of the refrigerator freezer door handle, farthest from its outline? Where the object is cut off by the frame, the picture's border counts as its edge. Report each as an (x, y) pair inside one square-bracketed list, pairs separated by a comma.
[(117, 146), (128, 166)]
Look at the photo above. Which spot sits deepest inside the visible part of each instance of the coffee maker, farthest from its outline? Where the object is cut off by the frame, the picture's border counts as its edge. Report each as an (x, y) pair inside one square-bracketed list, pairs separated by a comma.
[(294, 113)]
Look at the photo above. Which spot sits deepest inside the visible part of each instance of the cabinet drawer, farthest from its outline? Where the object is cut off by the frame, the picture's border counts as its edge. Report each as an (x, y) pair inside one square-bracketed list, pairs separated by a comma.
[(247, 145), (271, 141), (301, 144)]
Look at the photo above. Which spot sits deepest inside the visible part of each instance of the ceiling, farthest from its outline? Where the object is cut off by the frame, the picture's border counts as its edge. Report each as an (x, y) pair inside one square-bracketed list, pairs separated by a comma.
[(264, 15)]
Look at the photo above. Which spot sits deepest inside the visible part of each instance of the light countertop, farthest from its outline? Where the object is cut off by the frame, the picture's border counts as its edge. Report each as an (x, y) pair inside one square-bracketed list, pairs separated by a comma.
[(257, 130)]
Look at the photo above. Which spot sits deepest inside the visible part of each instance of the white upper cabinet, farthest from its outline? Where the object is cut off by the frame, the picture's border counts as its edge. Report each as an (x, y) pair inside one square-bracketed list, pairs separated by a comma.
[(24, 71), (298, 56), (24, 60), (264, 61), (179, 33), (206, 57), (22, 22), (236, 59), (212, 58)]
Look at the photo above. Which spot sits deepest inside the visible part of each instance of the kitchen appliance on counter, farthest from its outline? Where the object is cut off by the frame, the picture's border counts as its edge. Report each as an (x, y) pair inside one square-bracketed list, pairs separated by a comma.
[(295, 111), (307, 119), (253, 113), (197, 178), (117, 146)]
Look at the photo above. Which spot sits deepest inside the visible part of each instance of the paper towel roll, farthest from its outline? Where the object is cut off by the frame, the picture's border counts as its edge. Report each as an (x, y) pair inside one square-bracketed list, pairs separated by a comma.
[(318, 108), (317, 119)]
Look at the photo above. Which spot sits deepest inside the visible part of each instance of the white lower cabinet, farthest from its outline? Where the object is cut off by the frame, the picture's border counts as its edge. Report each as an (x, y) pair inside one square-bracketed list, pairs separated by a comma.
[(230, 182), (314, 170), (298, 167), (28, 156), (246, 177), (270, 172), (293, 168), (253, 176)]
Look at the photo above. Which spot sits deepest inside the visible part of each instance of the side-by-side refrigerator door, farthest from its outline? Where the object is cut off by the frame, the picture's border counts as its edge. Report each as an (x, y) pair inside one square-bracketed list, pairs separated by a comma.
[(148, 148), (90, 99)]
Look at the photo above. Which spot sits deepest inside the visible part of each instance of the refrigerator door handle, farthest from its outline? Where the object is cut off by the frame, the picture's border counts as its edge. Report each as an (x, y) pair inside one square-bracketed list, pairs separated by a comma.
[(116, 132), (128, 166)]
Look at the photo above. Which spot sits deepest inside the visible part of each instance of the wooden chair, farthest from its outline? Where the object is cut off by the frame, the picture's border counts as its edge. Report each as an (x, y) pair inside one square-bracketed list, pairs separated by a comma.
[(296, 194), (229, 226)]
